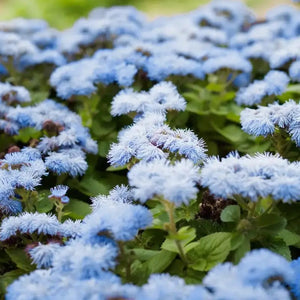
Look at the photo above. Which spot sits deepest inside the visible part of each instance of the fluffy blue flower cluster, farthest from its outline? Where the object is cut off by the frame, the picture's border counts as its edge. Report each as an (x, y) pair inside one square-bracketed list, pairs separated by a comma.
[(176, 183), (87, 257), (179, 46), (83, 270), (64, 151), (252, 177), (150, 138), (218, 44), (274, 83), (265, 119), (22, 169)]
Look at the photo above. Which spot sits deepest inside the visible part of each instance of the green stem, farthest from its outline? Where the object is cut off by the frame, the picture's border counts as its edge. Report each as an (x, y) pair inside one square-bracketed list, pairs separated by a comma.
[(241, 202), (170, 209), (252, 206), (126, 259), (59, 210)]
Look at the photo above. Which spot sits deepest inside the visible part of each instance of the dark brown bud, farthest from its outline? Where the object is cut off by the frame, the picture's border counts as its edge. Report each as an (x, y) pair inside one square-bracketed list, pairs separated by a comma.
[(211, 206), (13, 149)]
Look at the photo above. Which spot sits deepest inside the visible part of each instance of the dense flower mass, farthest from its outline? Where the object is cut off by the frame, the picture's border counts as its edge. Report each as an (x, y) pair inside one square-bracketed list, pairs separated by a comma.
[(252, 177), (115, 177), (265, 119)]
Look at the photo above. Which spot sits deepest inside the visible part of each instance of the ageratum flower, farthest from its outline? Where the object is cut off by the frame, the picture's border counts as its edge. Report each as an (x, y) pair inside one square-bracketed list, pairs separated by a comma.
[(252, 177), (161, 98), (252, 272), (263, 120), (274, 83), (29, 223), (42, 255), (176, 183), (294, 71), (83, 261), (117, 219), (10, 94), (232, 61)]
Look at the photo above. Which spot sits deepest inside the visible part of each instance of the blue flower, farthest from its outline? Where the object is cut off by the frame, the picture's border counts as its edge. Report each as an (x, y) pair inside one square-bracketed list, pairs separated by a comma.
[(118, 219), (258, 266), (252, 177), (294, 71), (29, 223), (176, 183), (42, 255), (58, 191), (232, 61), (66, 162), (10, 94), (84, 261), (274, 83)]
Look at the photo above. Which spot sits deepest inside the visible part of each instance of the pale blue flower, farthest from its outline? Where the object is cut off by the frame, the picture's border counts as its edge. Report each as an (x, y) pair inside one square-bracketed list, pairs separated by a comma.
[(176, 183), (42, 255)]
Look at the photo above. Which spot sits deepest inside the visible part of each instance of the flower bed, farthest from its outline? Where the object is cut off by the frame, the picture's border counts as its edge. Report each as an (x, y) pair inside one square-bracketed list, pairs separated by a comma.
[(151, 159)]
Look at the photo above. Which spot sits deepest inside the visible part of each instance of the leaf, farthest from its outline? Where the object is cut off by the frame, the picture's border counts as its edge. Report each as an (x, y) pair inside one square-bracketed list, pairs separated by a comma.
[(236, 240), (139, 272), (159, 262), (77, 209), (294, 88), (240, 252), (44, 204), (20, 258), (185, 234), (290, 238), (26, 134), (231, 213), (7, 278), (115, 169), (270, 224), (233, 133), (280, 247), (144, 254), (210, 251)]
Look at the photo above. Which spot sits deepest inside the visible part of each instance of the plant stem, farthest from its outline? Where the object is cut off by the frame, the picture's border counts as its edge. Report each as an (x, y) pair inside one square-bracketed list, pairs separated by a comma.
[(170, 208), (59, 210)]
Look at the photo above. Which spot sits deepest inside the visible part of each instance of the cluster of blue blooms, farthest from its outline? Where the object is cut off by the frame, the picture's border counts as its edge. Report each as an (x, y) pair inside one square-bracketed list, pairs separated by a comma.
[(82, 266), (150, 137), (252, 177), (265, 119), (119, 46)]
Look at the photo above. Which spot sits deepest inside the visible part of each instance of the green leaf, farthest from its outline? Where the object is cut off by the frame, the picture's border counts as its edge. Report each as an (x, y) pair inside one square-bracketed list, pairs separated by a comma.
[(159, 262), (139, 272), (236, 240), (20, 258), (160, 217), (185, 234), (144, 254), (77, 209), (115, 169), (92, 187), (270, 224), (280, 247), (210, 251), (231, 213), (44, 204), (290, 238), (242, 249), (26, 134), (7, 278), (233, 133), (294, 88)]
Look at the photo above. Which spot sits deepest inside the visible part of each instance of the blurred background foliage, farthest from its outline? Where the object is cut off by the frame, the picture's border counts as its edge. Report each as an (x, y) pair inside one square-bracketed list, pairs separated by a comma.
[(62, 13)]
